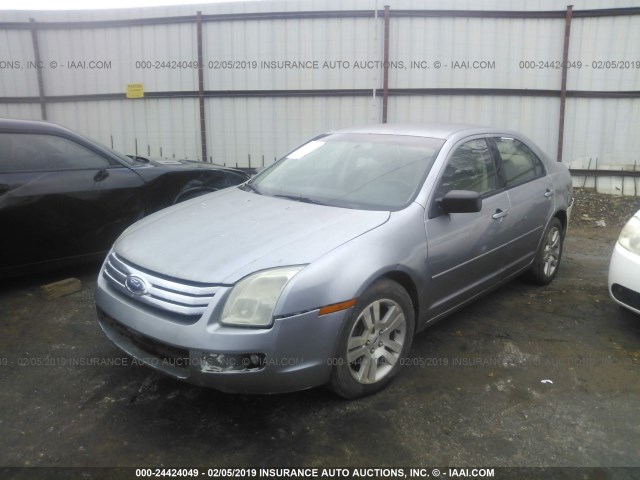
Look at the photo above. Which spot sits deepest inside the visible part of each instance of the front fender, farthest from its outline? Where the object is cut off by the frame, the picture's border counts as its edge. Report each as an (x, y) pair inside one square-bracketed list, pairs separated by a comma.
[(346, 272)]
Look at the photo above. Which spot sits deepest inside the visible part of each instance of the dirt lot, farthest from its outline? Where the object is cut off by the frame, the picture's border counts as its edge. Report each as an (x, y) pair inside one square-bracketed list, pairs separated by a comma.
[(527, 376)]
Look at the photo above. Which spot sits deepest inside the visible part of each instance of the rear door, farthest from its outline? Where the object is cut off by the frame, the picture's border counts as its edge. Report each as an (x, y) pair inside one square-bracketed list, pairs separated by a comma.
[(531, 195), (59, 198), (466, 251)]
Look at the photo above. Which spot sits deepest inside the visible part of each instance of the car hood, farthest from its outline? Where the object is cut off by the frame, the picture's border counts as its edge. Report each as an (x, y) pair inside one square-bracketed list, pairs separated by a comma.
[(177, 164), (226, 235)]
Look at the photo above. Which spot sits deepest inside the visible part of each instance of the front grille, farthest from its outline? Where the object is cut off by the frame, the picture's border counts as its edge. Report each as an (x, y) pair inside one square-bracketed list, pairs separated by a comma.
[(626, 296), (170, 295), (168, 354)]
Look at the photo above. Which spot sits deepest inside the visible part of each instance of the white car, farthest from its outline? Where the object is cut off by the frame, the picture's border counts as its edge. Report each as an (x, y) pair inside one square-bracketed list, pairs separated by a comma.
[(624, 270)]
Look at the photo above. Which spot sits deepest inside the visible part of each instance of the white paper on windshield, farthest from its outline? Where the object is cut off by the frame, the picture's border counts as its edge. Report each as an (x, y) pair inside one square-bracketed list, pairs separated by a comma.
[(306, 149)]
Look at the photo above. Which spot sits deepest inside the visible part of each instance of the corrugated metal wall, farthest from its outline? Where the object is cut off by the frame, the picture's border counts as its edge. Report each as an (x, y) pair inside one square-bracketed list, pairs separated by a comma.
[(261, 110)]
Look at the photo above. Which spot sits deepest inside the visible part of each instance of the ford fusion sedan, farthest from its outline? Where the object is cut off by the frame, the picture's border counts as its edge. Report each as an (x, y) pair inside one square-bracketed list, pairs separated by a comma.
[(624, 269), (64, 197), (322, 268)]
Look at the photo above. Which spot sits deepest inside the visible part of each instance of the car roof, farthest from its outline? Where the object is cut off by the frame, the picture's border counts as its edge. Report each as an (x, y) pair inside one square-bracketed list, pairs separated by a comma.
[(30, 125), (431, 130)]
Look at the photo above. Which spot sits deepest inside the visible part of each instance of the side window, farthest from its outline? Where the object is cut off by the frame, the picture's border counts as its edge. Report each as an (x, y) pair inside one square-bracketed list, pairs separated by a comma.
[(519, 163), (469, 168), (27, 152)]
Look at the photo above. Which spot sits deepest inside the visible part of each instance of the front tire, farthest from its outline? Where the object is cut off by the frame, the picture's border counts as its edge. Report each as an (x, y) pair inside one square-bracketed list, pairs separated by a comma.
[(547, 261), (375, 338)]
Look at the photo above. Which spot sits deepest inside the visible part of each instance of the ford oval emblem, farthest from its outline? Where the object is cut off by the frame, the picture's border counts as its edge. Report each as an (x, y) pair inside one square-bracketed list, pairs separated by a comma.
[(135, 285)]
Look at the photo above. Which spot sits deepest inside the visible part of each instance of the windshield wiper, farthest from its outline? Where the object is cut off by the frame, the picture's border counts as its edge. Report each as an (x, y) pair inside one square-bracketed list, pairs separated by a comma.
[(249, 186), (299, 198)]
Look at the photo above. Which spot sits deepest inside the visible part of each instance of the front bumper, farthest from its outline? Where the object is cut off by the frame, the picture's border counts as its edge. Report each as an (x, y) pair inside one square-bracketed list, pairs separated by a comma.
[(624, 278), (294, 354)]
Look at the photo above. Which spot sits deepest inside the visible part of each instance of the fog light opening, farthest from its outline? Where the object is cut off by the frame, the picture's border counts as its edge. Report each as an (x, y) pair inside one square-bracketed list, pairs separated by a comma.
[(253, 361), (223, 362)]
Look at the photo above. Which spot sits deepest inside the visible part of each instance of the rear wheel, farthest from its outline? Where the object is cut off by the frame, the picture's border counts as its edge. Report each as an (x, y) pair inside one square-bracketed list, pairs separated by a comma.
[(373, 341), (547, 261)]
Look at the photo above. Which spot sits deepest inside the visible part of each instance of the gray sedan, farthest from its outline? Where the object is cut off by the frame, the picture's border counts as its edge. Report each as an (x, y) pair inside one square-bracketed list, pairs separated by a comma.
[(321, 269)]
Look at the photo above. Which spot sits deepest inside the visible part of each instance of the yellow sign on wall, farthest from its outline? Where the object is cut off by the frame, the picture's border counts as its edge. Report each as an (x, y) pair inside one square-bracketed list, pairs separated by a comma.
[(135, 90)]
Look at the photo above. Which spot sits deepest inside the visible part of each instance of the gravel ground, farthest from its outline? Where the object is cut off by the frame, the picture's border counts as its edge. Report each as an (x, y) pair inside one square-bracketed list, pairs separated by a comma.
[(592, 208)]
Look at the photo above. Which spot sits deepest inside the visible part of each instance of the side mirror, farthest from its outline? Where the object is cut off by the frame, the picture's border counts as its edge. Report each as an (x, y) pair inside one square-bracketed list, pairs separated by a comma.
[(461, 201)]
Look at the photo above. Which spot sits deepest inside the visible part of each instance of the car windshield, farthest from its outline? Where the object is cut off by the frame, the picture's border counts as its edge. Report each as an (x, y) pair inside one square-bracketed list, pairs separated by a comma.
[(121, 156), (125, 159), (360, 171)]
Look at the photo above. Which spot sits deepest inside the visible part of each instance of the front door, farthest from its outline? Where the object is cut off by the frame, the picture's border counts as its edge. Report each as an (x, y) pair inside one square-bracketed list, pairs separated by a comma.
[(60, 199), (466, 251)]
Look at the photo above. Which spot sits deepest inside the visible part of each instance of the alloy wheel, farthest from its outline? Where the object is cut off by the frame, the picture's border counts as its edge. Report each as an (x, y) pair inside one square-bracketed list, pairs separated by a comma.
[(376, 341), (551, 252)]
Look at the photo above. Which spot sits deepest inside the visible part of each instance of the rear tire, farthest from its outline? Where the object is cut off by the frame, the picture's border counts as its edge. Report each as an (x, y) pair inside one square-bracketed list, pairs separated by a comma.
[(374, 340), (547, 261)]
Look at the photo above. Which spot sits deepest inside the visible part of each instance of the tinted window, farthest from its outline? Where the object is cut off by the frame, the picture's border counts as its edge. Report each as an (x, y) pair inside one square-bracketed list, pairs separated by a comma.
[(36, 152), (469, 168), (519, 163)]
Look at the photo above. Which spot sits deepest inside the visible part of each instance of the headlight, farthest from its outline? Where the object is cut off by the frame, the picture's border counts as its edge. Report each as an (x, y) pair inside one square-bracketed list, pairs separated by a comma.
[(630, 236), (253, 299)]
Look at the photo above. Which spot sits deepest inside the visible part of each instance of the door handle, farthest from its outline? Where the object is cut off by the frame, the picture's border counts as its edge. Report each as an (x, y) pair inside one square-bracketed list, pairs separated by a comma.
[(500, 214), (101, 175), (548, 193)]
